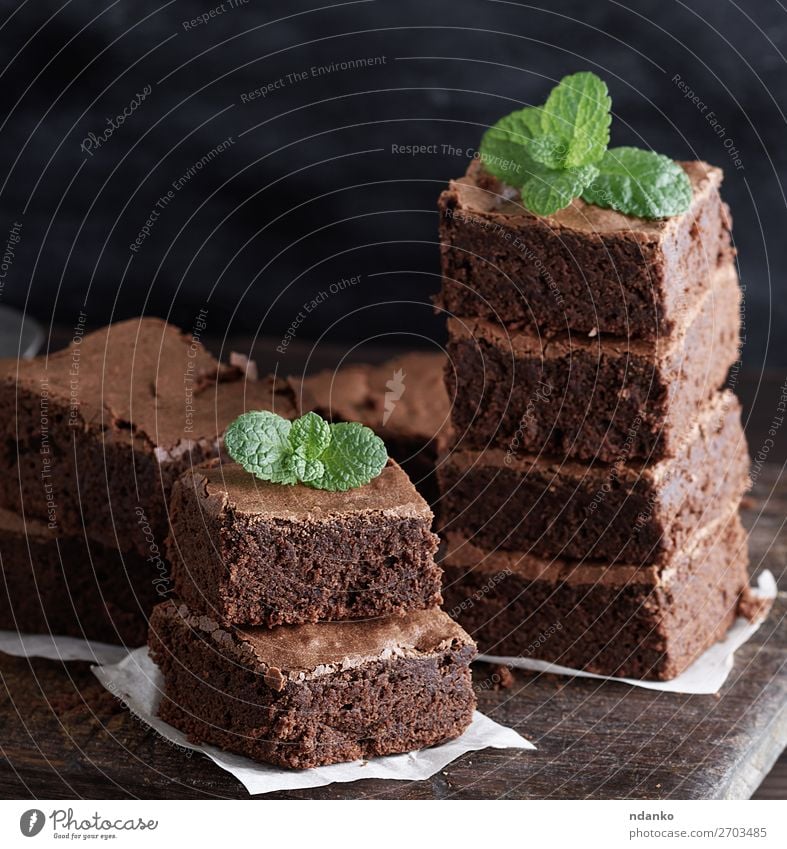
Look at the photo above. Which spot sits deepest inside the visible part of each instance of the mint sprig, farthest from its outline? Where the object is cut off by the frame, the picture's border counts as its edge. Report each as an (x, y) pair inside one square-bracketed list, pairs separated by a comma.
[(311, 451), (558, 152)]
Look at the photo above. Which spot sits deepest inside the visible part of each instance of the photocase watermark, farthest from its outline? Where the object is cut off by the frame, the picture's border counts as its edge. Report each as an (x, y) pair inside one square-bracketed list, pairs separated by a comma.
[(394, 390), (73, 370), (311, 305), (211, 14), (777, 421), (480, 593), (539, 398), (502, 673), (313, 72), (617, 466), (190, 375), (46, 457), (176, 186), (93, 142), (713, 121), (9, 254), (162, 581), (445, 149), (504, 234), (65, 824)]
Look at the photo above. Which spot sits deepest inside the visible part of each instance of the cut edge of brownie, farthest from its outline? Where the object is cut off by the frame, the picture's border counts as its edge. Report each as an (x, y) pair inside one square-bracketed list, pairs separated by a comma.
[(360, 690), (254, 553), (620, 620)]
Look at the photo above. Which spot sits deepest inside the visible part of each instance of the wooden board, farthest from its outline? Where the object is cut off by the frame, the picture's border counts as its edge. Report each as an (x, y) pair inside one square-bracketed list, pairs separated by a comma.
[(62, 735)]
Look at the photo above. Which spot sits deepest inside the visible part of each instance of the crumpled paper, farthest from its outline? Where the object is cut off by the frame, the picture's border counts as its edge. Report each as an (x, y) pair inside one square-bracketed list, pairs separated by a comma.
[(704, 677), (52, 647), (137, 681)]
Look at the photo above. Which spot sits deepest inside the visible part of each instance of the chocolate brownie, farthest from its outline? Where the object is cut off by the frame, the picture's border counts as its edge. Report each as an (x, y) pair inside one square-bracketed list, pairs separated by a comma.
[(60, 585), (647, 622), (249, 552), (584, 268), (592, 398), (636, 512), (404, 401), (92, 437), (309, 695)]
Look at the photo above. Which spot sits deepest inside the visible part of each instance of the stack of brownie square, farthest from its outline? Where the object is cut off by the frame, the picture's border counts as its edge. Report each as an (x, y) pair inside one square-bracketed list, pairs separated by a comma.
[(92, 438), (592, 478), (306, 629)]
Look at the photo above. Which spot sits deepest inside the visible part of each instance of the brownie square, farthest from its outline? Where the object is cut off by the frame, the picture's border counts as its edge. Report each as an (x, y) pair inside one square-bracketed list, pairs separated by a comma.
[(403, 400), (584, 268), (592, 398), (635, 511), (310, 695), (250, 552), (93, 436), (59, 585), (647, 622)]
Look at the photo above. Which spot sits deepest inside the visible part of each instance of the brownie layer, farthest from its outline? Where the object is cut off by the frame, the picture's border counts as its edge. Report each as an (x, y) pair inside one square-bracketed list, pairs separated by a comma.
[(53, 584), (592, 398), (92, 437), (633, 512), (404, 401), (584, 268), (250, 552), (637, 622), (312, 695)]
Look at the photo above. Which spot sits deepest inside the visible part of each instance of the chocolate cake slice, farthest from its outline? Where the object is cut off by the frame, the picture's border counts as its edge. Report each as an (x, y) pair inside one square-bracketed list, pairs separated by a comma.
[(592, 398), (251, 552), (93, 436), (319, 694), (630, 511), (630, 621), (403, 400), (585, 268), (53, 584)]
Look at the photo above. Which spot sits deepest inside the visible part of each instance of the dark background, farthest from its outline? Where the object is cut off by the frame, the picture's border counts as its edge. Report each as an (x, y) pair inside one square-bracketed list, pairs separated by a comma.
[(310, 191)]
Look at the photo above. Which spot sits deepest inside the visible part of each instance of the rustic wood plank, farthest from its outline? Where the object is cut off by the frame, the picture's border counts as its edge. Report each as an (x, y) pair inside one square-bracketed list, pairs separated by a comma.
[(64, 736)]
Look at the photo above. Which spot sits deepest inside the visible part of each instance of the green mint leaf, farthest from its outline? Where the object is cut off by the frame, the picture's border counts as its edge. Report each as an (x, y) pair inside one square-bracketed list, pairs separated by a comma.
[(577, 115), (354, 456), (304, 470), (547, 191), (640, 182), (310, 436), (259, 441), (505, 146)]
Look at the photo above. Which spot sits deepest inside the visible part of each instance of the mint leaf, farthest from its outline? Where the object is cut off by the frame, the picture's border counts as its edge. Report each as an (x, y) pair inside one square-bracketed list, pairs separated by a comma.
[(505, 146), (259, 441), (640, 182), (576, 116), (354, 456), (304, 470), (310, 436), (309, 450), (547, 191)]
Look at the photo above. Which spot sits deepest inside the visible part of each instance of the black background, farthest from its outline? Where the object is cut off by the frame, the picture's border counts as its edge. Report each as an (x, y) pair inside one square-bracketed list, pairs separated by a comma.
[(310, 191)]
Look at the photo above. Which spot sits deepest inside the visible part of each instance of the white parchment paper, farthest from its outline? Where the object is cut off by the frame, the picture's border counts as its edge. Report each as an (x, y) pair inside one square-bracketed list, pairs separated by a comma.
[(704, 677), (137, 681)]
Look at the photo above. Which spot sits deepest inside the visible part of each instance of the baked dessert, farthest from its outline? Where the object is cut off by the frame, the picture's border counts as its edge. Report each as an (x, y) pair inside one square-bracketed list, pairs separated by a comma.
[(584, 268), (255, 553), (592, 398), (403, 400), (630, 511), (93, 436), (309, 695), (630, 621), (60, 585)]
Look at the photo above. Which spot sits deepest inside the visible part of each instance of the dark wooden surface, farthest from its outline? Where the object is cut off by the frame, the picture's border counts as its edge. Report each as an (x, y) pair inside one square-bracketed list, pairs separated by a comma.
[(63, 736)]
